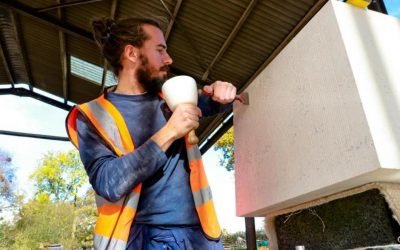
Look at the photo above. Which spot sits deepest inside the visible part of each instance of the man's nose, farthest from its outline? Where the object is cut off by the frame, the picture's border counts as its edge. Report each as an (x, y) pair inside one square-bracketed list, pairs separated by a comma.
[(168, 60)]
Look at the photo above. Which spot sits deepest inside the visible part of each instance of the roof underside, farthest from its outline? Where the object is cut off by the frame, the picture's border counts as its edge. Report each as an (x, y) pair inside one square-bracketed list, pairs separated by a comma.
[(231, 40)]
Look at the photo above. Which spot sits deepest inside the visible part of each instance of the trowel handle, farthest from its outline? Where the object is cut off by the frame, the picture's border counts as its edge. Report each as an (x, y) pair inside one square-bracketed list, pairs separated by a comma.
[(192, 137)]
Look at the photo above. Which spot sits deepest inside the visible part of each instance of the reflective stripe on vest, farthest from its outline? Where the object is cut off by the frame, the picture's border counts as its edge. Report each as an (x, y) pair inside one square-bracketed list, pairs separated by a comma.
[(115, 218), (202, 193)]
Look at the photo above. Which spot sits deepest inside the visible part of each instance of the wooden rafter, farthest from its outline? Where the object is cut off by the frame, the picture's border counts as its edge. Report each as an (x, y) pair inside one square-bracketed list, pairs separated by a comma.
[(105, 64), (6, 63), (191, 42), (21, 46), (216, 122), (66, 28), (47, 19), (310, 13), (230, 38), (173, 17), (63, 56), (69, 4)]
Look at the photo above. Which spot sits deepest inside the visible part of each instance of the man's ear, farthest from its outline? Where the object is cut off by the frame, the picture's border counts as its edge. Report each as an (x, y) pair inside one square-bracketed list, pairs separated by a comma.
[(131, 53)]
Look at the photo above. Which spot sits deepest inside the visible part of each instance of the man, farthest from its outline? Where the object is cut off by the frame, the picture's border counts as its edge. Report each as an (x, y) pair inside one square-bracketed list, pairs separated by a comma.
[(133, 147)]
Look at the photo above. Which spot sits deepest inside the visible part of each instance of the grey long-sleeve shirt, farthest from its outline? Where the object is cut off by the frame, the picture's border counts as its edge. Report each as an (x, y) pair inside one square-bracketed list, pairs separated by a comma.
[(166, 198)]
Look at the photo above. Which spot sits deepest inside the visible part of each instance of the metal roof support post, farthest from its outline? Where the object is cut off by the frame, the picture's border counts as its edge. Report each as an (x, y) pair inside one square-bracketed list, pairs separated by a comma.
[(251, 243), (37, 136), (27, 93)]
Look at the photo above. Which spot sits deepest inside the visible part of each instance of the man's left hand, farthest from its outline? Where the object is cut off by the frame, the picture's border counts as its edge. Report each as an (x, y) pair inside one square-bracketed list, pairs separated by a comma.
[(219, 91)]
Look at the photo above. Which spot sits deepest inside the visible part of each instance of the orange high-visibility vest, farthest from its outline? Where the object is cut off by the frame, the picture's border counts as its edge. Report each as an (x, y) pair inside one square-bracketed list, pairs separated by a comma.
[(115, 218)]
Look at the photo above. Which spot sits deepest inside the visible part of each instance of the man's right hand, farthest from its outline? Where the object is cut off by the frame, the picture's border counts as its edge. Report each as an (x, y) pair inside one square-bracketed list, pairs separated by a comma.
[(183, 119)]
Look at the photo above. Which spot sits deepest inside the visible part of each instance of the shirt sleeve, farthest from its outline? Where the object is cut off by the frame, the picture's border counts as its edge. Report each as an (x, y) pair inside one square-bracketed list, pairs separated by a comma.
[(209, 107), (111, 176)]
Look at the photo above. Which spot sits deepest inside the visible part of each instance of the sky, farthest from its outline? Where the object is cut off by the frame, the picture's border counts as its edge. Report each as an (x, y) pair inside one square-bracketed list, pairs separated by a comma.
[(393, 7), (24, 114)]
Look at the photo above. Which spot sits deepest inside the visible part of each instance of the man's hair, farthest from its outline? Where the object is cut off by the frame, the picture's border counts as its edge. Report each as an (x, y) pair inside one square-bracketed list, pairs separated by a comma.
[(112, 36)]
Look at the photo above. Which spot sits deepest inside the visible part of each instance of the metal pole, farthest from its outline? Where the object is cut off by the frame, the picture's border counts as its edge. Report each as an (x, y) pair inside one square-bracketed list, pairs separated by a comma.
[(250, 233), (37, 136)]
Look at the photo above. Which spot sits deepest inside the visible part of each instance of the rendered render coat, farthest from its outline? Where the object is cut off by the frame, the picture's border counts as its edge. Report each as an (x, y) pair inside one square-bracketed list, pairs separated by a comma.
[(324, 116)]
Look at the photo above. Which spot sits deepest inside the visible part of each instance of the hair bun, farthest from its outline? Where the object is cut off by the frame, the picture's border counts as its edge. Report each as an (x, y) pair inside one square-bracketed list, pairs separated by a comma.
[(102, 29)]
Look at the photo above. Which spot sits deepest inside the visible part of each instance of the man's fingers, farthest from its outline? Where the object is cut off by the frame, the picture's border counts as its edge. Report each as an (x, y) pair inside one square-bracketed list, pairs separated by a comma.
[(207, 90)]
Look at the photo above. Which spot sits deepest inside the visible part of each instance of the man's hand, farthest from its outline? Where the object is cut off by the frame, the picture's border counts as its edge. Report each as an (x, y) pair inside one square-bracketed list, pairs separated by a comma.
[(219, 91), (183, 119)]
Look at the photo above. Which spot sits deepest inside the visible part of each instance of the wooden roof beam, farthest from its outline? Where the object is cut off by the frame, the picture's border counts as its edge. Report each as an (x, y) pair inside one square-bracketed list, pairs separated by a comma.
[(173, 17), (230, 38), (64, 65), (6, 63), (65, 27), (192, 44), (47, 19), (69, 4), (307, 17), (105, 64), (214, 125), (21, 46), (63, 57)]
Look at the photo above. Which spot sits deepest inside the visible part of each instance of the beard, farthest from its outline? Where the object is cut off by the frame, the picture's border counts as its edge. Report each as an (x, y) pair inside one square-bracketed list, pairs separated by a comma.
[(150, 83)]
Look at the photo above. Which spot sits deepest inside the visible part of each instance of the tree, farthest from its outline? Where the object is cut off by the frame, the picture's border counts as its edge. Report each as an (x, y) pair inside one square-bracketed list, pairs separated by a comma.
[(41, 222), (225, 144), (60, 176), (237, 240), (7, 180), (60, 211), (85, 220)]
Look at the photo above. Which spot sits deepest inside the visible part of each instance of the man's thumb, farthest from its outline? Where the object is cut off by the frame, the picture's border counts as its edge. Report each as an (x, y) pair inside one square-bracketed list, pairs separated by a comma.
[(208, 90)]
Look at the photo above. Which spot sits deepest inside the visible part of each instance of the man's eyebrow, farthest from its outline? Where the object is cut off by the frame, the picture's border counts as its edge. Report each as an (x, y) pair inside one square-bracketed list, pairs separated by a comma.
[(162, 46)]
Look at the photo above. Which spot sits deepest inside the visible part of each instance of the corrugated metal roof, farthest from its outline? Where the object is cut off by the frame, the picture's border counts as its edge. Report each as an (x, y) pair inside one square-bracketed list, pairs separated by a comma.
[(209, 40), (201, 32), (263, 31), (82, 15), (84, 50), (43, 51), (10, 45), (143, 8)]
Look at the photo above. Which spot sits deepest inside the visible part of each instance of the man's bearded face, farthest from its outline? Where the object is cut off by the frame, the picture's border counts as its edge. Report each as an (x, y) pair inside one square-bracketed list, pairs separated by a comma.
[(149, 77)]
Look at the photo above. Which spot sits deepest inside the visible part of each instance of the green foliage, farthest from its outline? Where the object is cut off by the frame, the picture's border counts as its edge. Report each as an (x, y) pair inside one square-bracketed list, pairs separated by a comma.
[(47, 222), (58, 213), (237, 240), (232, 238), (42, 222), (226, 146), (85, 220), (59, 176)]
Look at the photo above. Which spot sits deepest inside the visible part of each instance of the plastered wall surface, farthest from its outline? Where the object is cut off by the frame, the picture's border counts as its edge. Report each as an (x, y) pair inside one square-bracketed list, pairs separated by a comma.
[(324, 115)]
